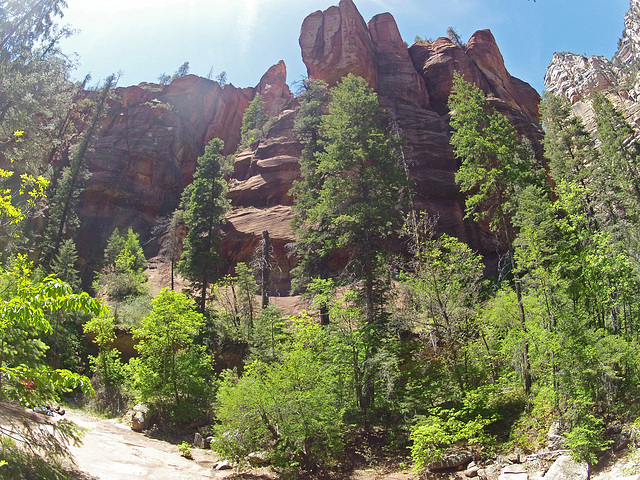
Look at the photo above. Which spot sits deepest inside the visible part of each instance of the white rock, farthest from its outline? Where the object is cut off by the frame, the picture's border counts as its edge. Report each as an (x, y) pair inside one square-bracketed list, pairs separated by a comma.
[(566, 468)]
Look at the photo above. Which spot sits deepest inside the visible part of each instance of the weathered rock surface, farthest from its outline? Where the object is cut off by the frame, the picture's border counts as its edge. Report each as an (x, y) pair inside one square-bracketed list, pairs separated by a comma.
[(514, 472), (565, 468), (576, 77), (337, 42), (481, 63), (422, 118), (452, 461), (397, 77), (148, 146), (153, 134), (141, 417), (243, 234)]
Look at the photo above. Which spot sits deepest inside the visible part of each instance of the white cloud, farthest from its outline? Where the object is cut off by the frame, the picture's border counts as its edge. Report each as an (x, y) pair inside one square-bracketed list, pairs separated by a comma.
[(247, 22)]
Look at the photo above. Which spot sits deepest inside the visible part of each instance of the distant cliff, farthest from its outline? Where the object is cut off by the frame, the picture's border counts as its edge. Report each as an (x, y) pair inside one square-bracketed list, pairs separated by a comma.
[(576, 77), (153, 134)]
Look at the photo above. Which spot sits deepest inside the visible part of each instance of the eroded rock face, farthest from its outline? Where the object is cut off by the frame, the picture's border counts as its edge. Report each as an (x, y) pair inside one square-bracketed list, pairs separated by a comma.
[(481, 63), (337, 42), (436, 62), (397, 77), (413, 86), (576, 77), (153, 134), (148, 146)]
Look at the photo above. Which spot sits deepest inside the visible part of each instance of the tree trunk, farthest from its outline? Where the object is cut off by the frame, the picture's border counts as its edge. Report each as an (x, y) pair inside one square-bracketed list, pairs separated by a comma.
[(266, 270)]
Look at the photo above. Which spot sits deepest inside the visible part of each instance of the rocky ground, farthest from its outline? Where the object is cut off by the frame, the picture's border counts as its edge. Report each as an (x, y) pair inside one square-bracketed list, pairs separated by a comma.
[(112, 451)]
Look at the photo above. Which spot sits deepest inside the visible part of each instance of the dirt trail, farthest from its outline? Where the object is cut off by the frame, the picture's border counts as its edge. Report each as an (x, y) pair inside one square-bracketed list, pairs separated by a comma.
[(112, 451)]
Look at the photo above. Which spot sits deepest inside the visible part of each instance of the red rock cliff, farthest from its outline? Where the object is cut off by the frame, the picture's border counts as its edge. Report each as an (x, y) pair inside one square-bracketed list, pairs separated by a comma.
[(153, 134)]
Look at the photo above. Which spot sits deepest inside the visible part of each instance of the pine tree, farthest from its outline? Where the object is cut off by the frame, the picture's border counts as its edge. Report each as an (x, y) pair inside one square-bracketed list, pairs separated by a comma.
[(311, 236), (64, 265), (205, 204), (253, 121), (358, 191), (62, 217), (495, 168)]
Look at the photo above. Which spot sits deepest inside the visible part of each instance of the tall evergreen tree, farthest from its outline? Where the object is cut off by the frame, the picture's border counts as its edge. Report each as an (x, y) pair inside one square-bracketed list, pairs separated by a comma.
[(495, 167), (357, 191), (62, 218), (311, 236), (25, 24), (617, 173), (205, 204)]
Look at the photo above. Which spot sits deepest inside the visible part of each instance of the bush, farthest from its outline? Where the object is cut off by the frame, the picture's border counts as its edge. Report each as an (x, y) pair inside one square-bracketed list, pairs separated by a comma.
[(463, 425), (586, 436), (172, 373), (286, 409)]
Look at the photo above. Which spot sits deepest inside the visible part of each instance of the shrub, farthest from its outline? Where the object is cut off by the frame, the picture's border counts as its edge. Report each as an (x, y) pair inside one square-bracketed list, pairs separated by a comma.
[(286, 409)]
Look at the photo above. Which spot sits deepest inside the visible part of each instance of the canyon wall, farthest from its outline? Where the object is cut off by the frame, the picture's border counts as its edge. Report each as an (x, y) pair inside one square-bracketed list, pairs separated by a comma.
[(576, 77), (153, 134)]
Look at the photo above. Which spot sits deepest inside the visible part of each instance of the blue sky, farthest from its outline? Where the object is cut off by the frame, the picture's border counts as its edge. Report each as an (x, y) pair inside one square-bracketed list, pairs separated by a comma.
[(145, 38)]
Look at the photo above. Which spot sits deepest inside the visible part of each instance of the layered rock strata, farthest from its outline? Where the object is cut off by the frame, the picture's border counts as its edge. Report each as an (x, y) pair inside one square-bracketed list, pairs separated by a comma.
[(153, 135), (577, 77)]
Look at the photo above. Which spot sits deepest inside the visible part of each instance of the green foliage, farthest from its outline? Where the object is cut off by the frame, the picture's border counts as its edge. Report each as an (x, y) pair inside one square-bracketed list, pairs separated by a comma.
[(185, 450), (235, 306), (286, 409), (254, 121), (68, 183), (440, 297), (107, 366), (359, 187), (268, 335), (17, 463), (205, 204), (25, 306), (496, 167), (25, 25), (443, 428), (455, 38), (495, 163), (586, 435), (311, 235), (172, 373), (64, 264), (122, 275)]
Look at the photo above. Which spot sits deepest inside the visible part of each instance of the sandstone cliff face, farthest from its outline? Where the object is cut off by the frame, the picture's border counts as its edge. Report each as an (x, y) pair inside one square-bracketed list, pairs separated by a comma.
[(337, 42), (149, 143), (576, 77), (413, 86), (153, 135)]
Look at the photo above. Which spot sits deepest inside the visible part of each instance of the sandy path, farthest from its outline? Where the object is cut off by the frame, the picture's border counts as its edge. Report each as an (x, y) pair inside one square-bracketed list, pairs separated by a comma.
[(112, 451)]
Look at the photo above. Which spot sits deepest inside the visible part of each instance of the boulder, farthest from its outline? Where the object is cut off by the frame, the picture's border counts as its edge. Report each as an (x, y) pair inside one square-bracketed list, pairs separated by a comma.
[(491, 472), (453, 461), (141, 417), (566, 468), (198, 440), (472, 471), (514, 472), (257, 459), (223, 465)]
